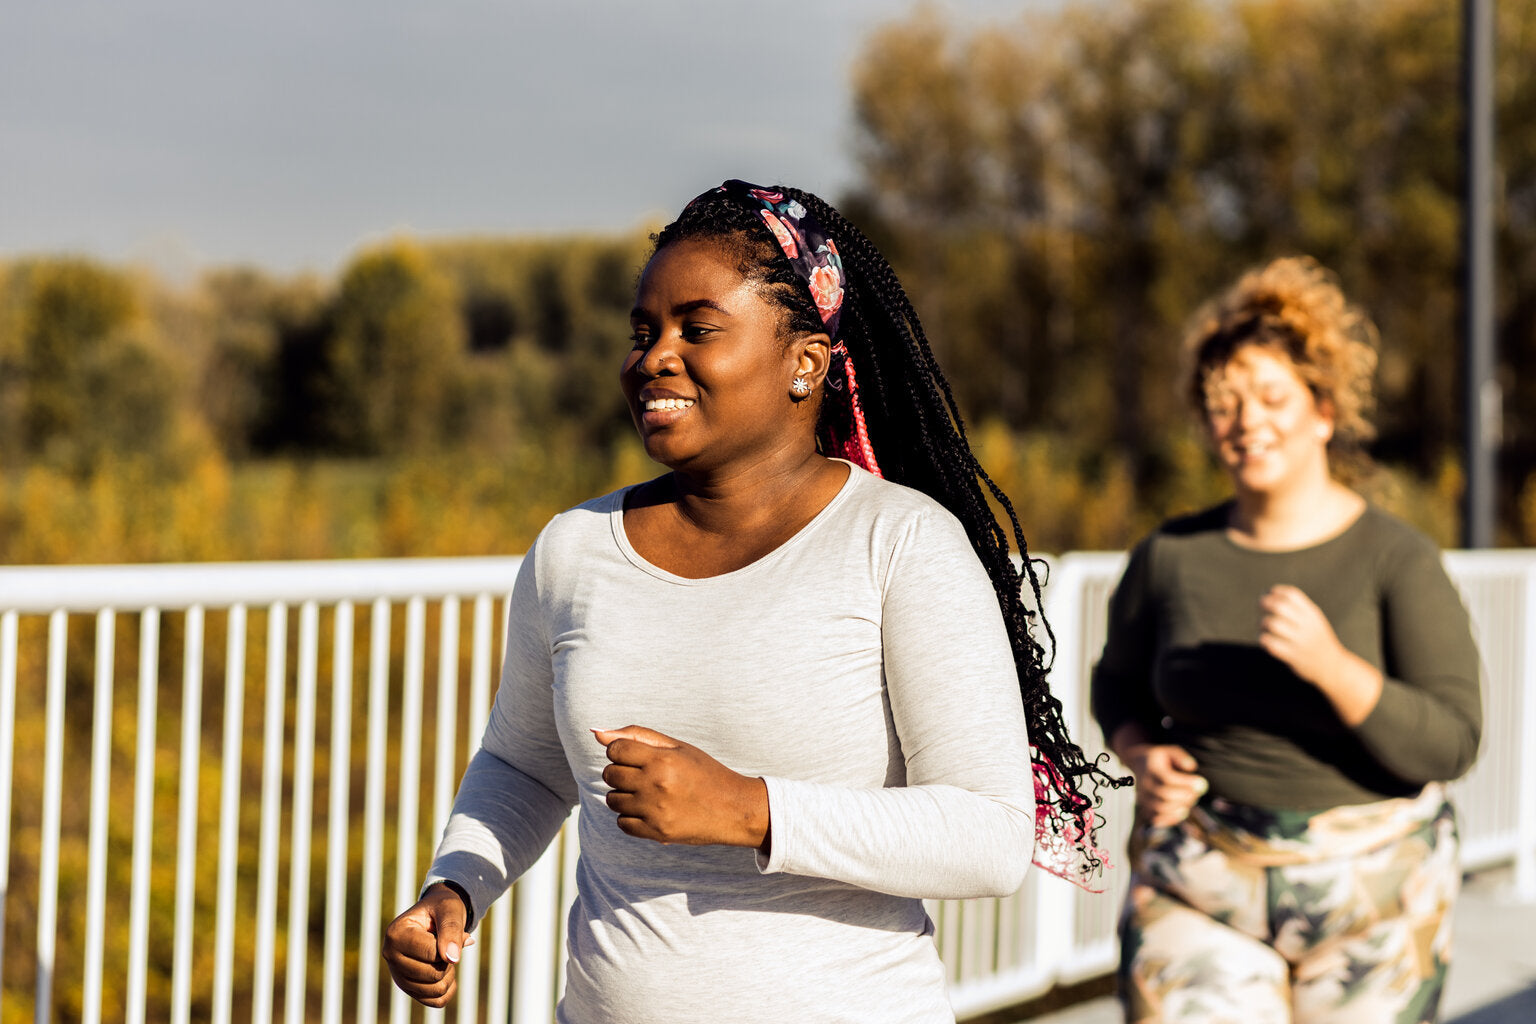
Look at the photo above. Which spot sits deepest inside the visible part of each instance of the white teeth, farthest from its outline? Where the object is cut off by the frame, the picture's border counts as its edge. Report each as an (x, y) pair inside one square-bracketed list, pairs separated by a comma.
[(667, 403)]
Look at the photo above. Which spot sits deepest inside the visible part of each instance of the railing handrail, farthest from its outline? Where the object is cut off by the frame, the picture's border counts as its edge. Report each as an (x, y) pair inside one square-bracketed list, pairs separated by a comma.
[(38, 590)]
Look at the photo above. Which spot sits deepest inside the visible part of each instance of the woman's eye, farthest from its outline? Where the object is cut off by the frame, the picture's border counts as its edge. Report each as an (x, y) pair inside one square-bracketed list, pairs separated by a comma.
[(641, 339)]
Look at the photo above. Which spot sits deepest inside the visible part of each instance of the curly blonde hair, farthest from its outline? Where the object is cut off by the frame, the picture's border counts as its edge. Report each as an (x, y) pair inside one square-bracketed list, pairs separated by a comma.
[(1294, 307)]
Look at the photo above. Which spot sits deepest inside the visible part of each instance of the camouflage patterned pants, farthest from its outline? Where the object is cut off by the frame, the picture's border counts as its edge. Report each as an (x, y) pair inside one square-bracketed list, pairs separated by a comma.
[(1261, 917)]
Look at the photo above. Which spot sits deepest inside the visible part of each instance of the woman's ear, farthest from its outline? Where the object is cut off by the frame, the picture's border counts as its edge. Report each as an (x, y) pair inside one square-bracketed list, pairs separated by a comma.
[(813, 357), (1325, 424)]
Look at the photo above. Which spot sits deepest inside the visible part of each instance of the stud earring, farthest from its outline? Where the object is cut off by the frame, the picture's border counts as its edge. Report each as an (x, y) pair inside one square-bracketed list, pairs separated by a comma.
[(801, 387)]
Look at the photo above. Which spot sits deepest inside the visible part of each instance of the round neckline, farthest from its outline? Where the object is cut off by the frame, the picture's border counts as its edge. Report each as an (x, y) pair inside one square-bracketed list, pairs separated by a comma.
[(621, 536), (1345, 531)]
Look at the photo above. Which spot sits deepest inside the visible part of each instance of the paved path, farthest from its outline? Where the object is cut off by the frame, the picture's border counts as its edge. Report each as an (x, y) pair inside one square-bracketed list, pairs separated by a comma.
[(1493, 977)]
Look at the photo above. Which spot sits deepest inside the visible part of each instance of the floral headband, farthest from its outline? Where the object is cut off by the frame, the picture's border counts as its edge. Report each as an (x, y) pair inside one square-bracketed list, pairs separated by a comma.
[(813, 255)]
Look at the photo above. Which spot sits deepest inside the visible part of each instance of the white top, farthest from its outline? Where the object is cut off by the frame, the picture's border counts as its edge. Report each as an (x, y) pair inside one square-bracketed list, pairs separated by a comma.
[(862, 669)]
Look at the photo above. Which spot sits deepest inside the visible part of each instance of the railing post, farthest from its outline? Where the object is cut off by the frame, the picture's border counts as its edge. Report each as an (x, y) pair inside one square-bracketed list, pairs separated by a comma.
[(371, 888), (273, 727), (53, 792), (299, 836), (229, 813), (96, 853), (533, 965), (1056, 903), (9, 641), (409, 788), (340, 766), (143, 815), (186, 821), (1525, 783)]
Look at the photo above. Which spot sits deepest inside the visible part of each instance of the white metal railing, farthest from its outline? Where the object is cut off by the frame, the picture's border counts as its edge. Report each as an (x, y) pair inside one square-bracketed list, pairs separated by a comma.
[(190, 807)]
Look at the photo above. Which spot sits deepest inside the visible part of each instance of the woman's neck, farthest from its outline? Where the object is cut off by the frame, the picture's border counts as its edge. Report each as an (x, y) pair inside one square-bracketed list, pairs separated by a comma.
[(723, 502), (1295, 517), (697, 525)]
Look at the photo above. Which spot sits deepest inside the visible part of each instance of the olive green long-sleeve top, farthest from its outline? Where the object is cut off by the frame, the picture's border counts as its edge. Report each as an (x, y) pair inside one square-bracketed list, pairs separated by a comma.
[(1183, 659)]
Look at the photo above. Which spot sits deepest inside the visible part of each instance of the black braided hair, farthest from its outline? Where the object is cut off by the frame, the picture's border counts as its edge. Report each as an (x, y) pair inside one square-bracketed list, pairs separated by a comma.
[(919, 440)]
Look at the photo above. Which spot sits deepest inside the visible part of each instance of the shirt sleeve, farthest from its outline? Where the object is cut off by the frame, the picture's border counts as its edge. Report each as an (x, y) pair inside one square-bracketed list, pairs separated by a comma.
[(963, 825), (1121, 687), (518, 788), (1427, 725)]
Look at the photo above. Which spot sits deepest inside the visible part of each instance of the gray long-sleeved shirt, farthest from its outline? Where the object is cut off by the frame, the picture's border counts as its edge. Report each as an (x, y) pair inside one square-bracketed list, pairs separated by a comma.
[(862, 669)]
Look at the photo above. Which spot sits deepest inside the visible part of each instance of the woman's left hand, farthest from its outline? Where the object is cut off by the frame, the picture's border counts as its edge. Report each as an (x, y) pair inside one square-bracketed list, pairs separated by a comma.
[(672, 792), (1295, 630)]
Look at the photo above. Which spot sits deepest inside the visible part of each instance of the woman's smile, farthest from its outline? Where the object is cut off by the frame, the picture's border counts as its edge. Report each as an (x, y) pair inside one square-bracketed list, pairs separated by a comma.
[(1251, 450), (667, 404), (659, 408)]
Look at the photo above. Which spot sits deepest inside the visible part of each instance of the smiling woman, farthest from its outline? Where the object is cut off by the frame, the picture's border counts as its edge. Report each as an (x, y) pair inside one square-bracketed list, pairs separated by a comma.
[(812, 625), (1291, 677)]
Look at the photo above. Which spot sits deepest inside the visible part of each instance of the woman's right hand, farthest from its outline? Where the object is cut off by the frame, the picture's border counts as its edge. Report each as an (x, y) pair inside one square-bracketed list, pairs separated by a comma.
[(422, 946), (1167, 781)]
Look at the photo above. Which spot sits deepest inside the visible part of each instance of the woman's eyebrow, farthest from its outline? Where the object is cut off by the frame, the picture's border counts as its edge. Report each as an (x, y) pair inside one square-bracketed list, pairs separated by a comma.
[(640, 312), (689, 307)]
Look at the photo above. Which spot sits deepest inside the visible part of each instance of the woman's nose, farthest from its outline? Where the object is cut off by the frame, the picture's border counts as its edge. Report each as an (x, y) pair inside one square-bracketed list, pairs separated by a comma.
[(659, 360)]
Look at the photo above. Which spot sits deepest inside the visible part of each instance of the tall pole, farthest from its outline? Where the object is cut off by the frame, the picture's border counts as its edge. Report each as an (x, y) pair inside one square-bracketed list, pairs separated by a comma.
[(1482, 399)]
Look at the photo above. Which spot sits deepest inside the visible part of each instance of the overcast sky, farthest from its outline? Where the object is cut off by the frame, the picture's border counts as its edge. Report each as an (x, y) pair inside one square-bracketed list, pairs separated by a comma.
[(288, 133)]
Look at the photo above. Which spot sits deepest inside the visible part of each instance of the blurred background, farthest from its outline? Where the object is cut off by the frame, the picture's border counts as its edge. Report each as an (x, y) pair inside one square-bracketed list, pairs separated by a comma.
[(353, 281), (299, 281)]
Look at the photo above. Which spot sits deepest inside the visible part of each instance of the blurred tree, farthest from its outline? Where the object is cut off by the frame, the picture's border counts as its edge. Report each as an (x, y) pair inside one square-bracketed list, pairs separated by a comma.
[(1515, 33), (69, 310), (1058, 194), (395, 342), (97, 380), (548, 321), (1368, 181), (241, 390), (1083, 140), (13, 392), (1062, 191)]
